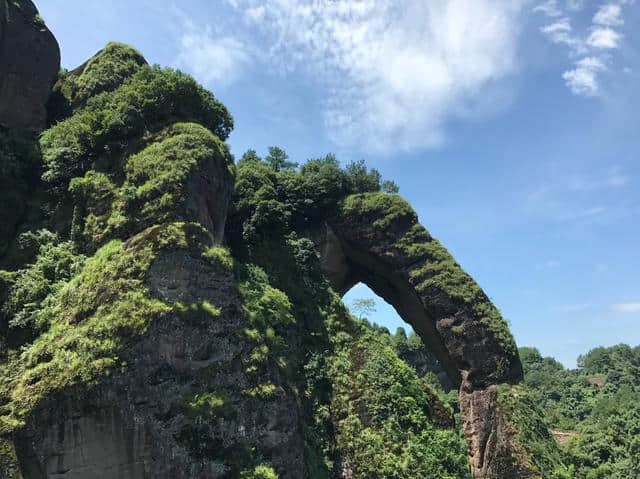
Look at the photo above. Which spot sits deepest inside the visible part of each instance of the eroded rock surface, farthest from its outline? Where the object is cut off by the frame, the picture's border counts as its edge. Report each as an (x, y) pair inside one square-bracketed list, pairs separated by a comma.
[(29, 64)]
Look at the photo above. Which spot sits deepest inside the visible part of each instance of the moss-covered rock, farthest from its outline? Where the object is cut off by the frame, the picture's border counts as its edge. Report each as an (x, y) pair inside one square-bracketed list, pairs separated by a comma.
[(164, 342), (105, 71)]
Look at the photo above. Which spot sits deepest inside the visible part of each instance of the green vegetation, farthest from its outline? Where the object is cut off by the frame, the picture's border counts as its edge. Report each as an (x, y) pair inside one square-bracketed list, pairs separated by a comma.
[(260, 472), (19, 172), (385, 414), (106, 71), (119, 186), (91, 319), (155, 189), (150, 99), (23, 313), (593, 410)]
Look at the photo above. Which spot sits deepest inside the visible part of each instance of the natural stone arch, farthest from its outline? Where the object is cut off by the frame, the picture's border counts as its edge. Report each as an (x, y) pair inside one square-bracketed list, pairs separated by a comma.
[(376, 239)]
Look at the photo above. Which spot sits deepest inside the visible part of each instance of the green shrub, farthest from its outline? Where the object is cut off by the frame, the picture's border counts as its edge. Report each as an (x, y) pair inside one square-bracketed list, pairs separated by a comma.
[(56, 263), (150, 99), (259, 472), (105, 71), (92, 318)]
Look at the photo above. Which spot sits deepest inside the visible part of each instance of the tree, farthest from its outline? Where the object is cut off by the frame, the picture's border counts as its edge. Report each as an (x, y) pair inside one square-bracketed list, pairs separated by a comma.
[(364, 307), (278, 159), (250, 155), (363, 179), (389, 186)]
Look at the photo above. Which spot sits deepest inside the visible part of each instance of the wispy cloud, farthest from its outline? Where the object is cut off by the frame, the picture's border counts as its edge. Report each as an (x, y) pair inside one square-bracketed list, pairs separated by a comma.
[(549, 264), (550, 8), (626, 307), (583, 79), (393, 73), (614, 178), (567, 197), (604, 38), (609, 15), (215, 59), (601, 36)]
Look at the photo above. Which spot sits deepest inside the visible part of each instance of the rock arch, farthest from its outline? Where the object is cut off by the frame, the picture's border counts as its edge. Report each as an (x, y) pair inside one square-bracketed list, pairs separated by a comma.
[(376, 239)]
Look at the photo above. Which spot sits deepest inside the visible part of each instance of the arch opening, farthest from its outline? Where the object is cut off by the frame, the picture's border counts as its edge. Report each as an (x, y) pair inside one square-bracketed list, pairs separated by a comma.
[(409, 345)]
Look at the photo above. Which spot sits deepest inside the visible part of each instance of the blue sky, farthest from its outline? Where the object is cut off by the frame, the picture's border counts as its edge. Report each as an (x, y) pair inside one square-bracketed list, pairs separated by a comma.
[(511, 126)]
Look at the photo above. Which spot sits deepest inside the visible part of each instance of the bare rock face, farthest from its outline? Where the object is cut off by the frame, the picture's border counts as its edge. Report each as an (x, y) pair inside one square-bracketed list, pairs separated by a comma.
[(29, 64)]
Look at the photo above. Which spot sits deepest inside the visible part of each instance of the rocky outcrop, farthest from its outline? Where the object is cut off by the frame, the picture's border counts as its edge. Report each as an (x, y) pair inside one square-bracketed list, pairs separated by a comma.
[(165, 358), (29, 64), (376, 239), (160, 419)]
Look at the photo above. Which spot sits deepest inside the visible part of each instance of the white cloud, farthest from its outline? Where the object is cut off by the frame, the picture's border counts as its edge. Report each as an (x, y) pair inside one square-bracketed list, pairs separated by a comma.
[(583, 79), (604, 38), (575, 5), (549, 264), (550, 8), (609, 15), (626, 308), (614, 178), (602, 35), (561, 32), (214, 59), (394, 73)]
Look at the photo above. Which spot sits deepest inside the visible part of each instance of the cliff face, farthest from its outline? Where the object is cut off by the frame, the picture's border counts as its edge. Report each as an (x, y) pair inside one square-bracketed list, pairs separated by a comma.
[(167, 313), (29, 62)]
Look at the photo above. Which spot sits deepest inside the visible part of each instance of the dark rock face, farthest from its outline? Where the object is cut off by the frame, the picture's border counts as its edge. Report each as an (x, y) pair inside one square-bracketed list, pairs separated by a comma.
[(29, 64), (131, 426)]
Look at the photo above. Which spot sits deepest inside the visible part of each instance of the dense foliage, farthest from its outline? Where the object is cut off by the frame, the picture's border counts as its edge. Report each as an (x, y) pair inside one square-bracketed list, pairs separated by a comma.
[(102, 130), (593, 410)]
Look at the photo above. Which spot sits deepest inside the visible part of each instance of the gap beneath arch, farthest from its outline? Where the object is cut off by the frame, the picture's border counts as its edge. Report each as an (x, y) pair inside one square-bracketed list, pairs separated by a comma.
[(385, 315)]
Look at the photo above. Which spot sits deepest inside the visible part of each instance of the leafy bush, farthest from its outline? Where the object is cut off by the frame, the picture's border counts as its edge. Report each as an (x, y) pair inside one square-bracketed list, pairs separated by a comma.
[(260, 472), (596, 406), (384, 414), (56, 263), (105, 71), (146, 102)]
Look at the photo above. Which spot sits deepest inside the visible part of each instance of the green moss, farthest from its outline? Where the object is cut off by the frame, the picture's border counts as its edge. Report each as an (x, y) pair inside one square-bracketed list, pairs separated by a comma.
[(219, 257), (394, 218), (155, 188), (107, 70), (263, 391), (159, 174), (198, 313), (149, 100), (207, 405), (384, 209), (540, 450), (92, 319), (262, 471), (9, 465)]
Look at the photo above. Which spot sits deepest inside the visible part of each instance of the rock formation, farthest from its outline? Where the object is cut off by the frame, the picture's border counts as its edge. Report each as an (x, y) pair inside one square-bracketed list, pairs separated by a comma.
[(29, 64), (187, 320)]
